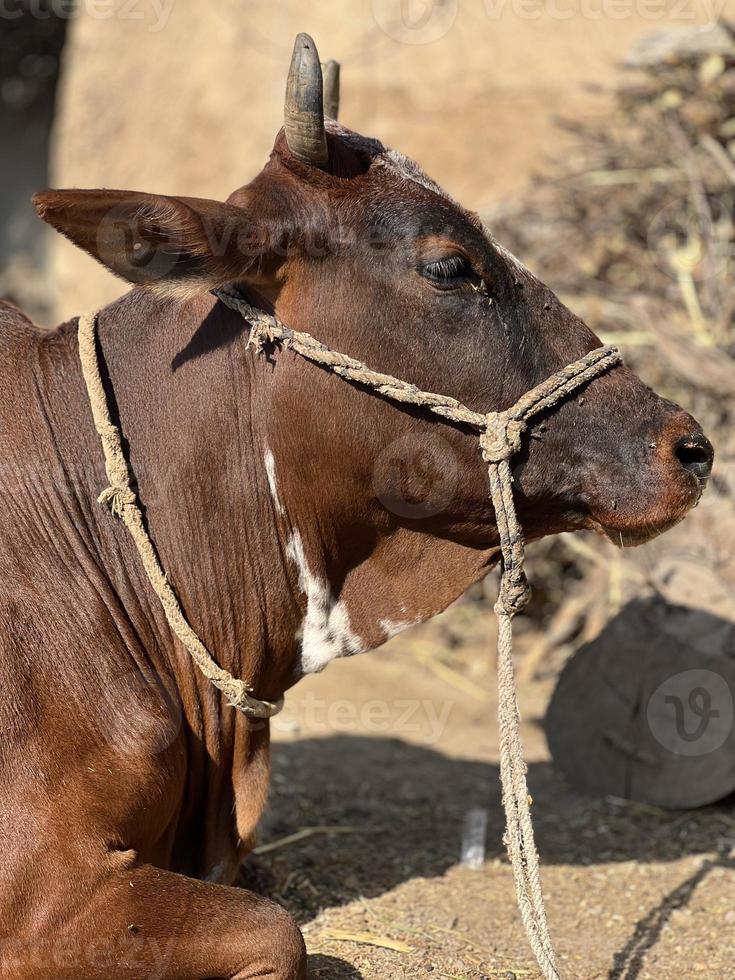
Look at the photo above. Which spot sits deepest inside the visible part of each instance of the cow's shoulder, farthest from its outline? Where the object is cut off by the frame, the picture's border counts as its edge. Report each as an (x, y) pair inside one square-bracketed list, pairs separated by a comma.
[(14, 322), (18, 335)]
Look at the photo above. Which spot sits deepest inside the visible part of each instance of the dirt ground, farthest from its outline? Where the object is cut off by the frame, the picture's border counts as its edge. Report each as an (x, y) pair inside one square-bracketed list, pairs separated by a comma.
[(385, 754)]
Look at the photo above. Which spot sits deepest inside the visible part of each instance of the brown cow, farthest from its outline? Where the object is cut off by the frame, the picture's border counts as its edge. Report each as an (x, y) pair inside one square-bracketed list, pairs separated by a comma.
[(129, 790)]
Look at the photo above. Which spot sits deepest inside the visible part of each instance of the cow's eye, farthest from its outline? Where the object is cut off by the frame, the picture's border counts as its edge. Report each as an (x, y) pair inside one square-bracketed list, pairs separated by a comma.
[(446, 272)]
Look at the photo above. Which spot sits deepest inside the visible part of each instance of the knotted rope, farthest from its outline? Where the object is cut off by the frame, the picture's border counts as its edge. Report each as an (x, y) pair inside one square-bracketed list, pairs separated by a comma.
[(500, 435), (122, 500)]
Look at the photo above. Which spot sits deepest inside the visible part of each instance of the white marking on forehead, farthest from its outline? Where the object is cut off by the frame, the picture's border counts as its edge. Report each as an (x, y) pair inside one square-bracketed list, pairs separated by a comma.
[(270, 472), (410, 170), (392, 160), (326, 632)]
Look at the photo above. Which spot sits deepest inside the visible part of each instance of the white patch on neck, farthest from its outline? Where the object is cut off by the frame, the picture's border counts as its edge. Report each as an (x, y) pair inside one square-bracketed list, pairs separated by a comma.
[(325, 633), (270, 472), (392, 628)]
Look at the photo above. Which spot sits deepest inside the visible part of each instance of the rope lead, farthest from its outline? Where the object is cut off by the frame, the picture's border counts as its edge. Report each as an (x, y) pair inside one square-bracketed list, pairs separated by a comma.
[(123, 503), (500, 437)]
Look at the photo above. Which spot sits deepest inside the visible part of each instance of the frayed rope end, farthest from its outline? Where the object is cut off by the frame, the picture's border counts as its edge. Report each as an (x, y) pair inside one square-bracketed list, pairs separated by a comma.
[(116, 499)]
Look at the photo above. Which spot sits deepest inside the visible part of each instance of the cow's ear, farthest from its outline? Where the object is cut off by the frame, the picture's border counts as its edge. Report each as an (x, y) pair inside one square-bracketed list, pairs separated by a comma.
[(172, 244)]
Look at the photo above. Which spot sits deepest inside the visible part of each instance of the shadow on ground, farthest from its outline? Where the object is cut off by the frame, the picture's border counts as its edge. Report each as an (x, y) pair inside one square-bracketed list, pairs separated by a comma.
[(332, 968), (628, 962), (399, 809)]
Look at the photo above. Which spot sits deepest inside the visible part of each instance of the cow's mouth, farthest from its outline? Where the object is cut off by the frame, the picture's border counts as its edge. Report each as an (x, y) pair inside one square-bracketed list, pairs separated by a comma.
[(631, 536), (628, 529)]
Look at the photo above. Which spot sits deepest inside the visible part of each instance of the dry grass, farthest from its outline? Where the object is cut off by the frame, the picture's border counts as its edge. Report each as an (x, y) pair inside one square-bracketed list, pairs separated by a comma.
[(635, 230)]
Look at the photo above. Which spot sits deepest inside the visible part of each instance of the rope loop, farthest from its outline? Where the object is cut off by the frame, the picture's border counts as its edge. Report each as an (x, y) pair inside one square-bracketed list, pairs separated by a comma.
[(501, 438), (239, 696), (123, 503)]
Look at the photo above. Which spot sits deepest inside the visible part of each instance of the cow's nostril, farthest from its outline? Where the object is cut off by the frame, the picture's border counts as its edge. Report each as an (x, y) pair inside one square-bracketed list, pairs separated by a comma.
[(695, 453)]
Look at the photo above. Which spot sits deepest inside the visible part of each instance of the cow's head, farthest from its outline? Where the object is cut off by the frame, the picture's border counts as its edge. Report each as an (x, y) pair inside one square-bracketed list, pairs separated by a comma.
[(354, 243)]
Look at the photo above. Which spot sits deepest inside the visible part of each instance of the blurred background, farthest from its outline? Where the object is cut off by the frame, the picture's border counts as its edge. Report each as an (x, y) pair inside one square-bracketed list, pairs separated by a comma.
[(597, 140)]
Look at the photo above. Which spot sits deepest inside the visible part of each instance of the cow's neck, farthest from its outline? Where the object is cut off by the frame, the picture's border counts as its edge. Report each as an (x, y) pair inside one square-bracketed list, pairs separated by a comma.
[(279, 571), (181, 388), (279, 552)]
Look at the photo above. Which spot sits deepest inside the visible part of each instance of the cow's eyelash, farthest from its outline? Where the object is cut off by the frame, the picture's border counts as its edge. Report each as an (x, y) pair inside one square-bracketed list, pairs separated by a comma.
[(446, 269)]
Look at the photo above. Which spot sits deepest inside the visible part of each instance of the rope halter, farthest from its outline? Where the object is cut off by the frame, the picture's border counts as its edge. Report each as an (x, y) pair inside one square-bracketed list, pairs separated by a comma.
[(500, 438)]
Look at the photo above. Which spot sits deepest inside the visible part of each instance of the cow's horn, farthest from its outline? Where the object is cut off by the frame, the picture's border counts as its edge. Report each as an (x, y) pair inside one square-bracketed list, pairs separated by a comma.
[(304, 110), (331, 89)]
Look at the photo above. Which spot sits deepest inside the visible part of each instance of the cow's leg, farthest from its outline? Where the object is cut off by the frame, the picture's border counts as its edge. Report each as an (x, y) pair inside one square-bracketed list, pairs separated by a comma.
[(147, 924)]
